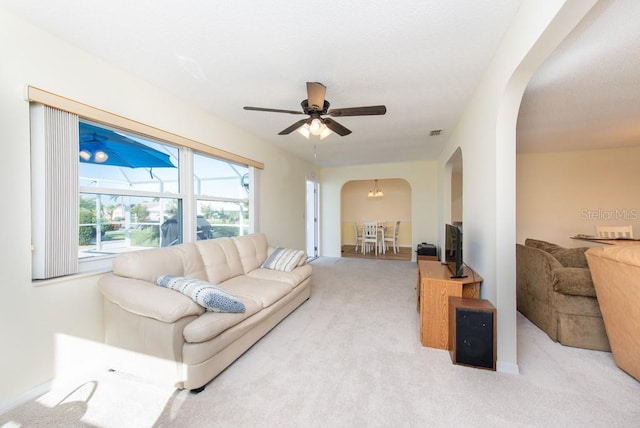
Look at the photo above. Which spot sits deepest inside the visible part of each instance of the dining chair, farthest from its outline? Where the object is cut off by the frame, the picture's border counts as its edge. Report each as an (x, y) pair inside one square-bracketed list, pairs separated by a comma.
[(382, 232), (358, 234), (614, 232), (370, 232), (392, 236), (388, 232)]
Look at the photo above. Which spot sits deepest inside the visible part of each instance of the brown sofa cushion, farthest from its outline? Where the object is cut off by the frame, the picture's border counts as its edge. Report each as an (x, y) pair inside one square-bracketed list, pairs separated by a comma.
[(573, 281), (568, 257)]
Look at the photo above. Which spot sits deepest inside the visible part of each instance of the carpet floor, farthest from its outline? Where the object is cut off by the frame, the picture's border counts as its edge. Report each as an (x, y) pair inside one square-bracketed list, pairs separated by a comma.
[(351, 357)]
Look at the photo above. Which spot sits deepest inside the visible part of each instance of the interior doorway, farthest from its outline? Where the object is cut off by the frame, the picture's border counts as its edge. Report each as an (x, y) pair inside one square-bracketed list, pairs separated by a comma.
[(311, 219)]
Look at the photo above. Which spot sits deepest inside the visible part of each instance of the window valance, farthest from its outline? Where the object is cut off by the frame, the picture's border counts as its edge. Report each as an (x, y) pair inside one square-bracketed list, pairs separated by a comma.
[(50, 99)]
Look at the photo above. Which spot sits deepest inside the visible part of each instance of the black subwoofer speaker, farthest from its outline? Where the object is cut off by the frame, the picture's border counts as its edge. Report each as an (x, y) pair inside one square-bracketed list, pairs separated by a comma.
[(472, 332)]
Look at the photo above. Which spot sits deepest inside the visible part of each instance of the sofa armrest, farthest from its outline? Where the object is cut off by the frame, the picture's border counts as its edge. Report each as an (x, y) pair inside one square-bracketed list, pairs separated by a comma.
[(573, 281), (147, 299), (534, 273)]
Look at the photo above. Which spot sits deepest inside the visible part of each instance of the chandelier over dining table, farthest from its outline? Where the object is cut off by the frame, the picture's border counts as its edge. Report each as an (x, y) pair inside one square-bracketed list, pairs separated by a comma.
[(376, 192)]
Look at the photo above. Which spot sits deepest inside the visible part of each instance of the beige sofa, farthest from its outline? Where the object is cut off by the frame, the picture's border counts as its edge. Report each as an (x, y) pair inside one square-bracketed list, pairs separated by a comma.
[(555, 291), (616, 276), (152, 320)]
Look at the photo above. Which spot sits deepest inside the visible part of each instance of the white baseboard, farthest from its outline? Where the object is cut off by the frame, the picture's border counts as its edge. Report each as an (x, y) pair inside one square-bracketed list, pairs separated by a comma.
[(510, 368), (25, 398)]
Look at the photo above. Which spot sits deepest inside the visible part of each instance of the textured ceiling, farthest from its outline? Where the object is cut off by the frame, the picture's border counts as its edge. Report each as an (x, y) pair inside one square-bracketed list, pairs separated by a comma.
[(421, 58), (587, 94)]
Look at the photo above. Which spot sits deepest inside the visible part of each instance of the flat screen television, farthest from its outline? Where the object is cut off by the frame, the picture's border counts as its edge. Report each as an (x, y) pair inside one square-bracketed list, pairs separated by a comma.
[(453, 251)]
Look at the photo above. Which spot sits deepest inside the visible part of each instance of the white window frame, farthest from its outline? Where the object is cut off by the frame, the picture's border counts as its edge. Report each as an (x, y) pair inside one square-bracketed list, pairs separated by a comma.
[(186, 151)]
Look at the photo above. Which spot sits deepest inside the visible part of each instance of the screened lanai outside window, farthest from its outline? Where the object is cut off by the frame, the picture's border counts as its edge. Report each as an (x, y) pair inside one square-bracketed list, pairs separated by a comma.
[(99, 189), (222, 196), (129, 188)]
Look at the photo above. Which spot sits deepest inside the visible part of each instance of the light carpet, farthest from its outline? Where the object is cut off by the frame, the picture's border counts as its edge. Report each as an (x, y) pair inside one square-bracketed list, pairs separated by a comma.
[(351, 357)]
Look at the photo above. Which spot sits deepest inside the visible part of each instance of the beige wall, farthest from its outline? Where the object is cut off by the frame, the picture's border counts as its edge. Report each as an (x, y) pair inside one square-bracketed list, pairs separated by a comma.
[(562, 194), (394, 205), (31, 316)]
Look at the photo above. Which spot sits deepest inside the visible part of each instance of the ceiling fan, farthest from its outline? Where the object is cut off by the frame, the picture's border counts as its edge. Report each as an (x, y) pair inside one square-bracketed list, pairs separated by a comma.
[(317, 106)]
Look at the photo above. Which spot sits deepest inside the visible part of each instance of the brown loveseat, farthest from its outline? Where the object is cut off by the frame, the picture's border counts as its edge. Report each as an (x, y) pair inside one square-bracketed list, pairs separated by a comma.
[(555, 291)]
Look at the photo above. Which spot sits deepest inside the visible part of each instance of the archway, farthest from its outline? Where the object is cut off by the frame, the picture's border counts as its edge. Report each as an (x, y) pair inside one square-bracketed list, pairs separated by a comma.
[(357, 206)]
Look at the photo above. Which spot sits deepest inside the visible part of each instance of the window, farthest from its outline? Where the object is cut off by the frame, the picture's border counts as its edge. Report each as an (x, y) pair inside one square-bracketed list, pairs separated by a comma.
[(222, 195), (129, 192), (92, 200), (131, 197), (125, 223)]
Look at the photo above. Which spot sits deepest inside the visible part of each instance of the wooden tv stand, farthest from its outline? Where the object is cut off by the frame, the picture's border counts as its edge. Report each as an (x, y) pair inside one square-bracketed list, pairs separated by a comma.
[(435, 285)]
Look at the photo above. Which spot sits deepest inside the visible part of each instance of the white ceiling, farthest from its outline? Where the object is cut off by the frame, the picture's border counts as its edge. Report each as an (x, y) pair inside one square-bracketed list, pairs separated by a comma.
[(587, 94), (420, 58)]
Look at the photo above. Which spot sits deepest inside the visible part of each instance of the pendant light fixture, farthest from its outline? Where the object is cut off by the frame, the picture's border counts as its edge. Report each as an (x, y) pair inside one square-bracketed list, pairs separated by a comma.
[(375, 192)]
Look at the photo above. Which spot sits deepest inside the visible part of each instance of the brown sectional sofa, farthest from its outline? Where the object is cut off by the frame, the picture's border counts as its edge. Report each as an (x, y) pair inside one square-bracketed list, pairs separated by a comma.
[(555, 291)]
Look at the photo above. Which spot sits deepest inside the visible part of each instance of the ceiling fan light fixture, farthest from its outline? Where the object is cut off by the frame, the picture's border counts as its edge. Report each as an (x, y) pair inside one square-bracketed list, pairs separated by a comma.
[(304, 131), (316, 126), (316, 106), (325, 132)]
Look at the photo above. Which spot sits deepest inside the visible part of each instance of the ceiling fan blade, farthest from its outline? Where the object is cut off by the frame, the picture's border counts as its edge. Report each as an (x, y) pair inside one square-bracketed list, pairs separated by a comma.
[(358, 111), (336, 127), (275, 110), (293, 127), (315, 95)]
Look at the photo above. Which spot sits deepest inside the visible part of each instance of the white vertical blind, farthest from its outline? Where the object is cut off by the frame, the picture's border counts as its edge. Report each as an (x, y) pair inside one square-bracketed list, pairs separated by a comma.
[(54, 193)]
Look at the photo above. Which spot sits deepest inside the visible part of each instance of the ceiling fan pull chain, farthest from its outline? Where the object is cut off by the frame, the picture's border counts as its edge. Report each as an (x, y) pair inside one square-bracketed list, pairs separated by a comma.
[(315, 155)]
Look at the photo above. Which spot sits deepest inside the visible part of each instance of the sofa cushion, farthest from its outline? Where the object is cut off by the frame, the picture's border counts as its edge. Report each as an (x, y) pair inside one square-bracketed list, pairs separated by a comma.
[(293, 278), (252, 250), (283, 259), (573, 281), (210, 297), (209, 325), (572, 257), (264, 291), (568, 257), (147, 265), (220, 258)]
